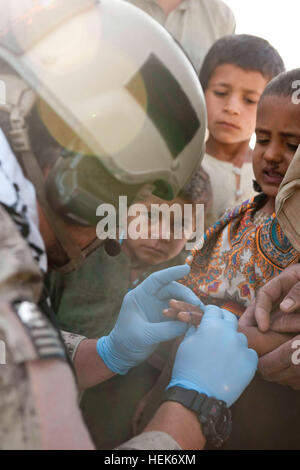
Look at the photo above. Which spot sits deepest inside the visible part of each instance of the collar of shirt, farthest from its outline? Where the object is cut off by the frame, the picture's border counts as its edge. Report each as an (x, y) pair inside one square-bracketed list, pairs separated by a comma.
[(182, 6)]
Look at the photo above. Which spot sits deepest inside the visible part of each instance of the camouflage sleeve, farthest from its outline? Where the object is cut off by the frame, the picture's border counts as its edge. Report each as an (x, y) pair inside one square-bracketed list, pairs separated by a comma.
[(25, 335), (153, 440), (19, 427), (72, 342)]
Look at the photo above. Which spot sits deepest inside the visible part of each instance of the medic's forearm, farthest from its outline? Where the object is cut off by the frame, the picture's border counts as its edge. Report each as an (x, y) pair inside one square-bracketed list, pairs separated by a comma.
[(179, 423), (90, 368)]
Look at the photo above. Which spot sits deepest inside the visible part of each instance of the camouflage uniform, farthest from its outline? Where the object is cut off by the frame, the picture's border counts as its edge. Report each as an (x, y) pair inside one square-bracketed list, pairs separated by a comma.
[(27, 336), (153, 440), (19, 429)]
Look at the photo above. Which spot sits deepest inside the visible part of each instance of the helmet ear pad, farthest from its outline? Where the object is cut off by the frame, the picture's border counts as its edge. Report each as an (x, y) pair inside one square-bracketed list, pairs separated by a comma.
[(78, 184)]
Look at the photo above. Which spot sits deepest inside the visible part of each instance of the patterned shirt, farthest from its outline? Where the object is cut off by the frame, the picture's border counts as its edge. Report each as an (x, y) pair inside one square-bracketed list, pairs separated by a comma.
[(239, 254)]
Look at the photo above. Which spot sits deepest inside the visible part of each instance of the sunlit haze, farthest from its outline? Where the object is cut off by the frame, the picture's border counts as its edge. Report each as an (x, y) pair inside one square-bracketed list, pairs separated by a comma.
[(274, 20)]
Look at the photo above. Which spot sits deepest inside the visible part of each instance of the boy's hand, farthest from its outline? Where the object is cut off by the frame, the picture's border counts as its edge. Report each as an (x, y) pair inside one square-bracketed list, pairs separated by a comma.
[(184, 312), (141, 325), (262, 343), (214, 358)]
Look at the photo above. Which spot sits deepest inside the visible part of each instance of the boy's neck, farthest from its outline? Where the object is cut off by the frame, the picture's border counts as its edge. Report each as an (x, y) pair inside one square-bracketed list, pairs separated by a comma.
[(168, 5), (269, 207), (237, 154)]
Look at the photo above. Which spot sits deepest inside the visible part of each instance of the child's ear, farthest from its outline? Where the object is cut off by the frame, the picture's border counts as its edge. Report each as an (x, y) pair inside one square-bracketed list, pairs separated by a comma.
[(256, 187)]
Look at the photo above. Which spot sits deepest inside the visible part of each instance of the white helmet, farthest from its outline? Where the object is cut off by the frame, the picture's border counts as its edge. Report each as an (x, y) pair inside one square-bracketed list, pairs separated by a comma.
[(130, 108)]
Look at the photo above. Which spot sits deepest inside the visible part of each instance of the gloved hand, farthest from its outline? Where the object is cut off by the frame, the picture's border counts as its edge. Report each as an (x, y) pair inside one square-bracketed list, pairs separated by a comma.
[(214, 358), (141, 325)]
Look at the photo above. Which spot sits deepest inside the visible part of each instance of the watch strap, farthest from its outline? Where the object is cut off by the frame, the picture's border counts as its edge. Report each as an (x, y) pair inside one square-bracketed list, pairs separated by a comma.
[(207, 410), (191, 399)]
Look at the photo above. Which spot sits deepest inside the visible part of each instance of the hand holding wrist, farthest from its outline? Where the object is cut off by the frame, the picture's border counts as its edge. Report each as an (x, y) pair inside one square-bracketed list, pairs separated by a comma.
[(214, 358)]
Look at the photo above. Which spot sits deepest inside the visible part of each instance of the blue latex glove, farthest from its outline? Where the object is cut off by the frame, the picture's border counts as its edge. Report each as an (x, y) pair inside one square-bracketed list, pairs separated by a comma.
[(141, 325), (214, 358)]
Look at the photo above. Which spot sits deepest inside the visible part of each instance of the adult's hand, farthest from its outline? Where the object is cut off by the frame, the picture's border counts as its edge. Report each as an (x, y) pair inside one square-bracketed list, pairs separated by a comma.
[(277, 307), (283, 364), (141, 325), (214, 358), (280, 295)]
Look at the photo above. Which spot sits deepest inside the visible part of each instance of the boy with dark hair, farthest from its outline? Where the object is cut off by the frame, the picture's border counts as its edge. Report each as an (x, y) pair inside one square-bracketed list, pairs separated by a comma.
[(233, 76)]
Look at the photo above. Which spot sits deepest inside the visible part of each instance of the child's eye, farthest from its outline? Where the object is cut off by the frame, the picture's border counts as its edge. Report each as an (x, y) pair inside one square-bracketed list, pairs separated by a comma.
[(292, 147), (220, 93), (249, 101), (262, 141)]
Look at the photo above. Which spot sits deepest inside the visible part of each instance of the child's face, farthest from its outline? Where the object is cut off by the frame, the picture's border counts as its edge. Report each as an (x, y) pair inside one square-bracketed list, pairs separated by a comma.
[(277, 139), (231, 98), (156, 251)]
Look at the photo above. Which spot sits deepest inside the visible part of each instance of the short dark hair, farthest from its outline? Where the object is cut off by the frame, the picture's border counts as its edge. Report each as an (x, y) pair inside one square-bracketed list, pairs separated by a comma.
[(283, 85), (245, 51)]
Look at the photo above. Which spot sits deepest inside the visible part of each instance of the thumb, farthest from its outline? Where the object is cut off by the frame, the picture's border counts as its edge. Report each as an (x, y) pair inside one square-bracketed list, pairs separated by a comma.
[(292, 301), (165, 331)]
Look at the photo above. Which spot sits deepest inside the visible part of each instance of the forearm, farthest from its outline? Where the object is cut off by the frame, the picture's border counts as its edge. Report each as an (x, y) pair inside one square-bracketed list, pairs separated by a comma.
[(263, 343), (179, 423), (90, 368)]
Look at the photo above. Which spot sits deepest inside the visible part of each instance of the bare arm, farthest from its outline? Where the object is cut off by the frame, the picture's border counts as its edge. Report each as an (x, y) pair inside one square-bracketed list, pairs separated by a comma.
[(179, 423), (261, 342), (90, 368)]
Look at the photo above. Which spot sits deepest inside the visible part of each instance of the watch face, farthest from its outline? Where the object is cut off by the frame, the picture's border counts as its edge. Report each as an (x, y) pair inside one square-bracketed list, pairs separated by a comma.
[(217, 428), (223, 422)]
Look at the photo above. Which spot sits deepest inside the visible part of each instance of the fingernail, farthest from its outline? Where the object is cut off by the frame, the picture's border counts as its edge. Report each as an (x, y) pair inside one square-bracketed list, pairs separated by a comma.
[(287, 304)]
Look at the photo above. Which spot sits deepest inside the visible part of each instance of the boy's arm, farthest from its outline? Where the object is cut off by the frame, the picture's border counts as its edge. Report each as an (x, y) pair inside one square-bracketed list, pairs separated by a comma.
[(261, 342)]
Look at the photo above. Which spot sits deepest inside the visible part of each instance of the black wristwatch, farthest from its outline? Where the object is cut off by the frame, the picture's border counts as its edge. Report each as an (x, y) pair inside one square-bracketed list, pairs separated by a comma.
[(213, 414)]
